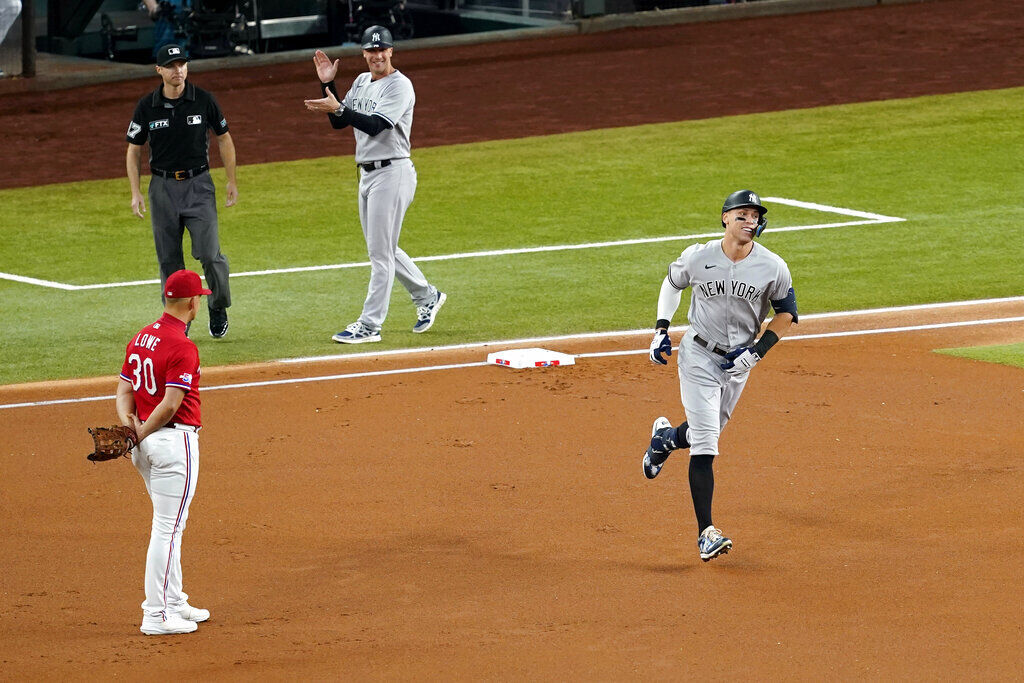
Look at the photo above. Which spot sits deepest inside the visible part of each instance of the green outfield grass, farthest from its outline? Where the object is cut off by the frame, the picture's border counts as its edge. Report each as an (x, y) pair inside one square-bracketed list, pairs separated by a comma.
[(1008, 354), (947, 164)]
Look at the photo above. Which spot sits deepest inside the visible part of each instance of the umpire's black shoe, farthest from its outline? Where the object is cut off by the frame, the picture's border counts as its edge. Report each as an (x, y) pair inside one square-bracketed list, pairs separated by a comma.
[(218, 322)]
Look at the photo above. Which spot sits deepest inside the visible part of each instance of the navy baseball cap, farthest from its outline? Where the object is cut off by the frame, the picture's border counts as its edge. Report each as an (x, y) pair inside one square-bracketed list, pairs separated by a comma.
[(171, 53), (376, 38)]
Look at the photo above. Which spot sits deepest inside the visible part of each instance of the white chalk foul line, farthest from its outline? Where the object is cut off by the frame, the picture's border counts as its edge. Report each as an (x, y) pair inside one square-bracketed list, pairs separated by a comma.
[(454, 366), (628, 333), (868, 219)]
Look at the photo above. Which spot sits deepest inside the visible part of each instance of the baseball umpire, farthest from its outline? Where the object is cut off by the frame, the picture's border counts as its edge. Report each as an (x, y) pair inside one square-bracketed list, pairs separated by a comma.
[(734, 281), (174, 118), (379, 107)]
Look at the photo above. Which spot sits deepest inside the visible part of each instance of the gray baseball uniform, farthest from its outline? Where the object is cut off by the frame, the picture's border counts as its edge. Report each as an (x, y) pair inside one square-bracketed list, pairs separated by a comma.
[(386, 191), (729, 303)]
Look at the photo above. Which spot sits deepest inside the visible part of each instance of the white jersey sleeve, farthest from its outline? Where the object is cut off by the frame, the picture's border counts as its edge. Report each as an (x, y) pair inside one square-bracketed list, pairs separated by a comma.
[(679, 270)]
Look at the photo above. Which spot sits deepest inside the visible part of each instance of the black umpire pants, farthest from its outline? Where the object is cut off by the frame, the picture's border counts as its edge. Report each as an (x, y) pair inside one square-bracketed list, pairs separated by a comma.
[(177, 205)]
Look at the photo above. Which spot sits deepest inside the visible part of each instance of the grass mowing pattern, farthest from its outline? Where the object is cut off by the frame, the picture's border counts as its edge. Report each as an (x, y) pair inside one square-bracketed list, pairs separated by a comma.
[(941, 162)]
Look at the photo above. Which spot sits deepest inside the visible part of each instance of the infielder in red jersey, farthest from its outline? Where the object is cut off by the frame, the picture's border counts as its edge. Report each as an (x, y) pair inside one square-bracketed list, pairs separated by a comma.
[(159, 395)]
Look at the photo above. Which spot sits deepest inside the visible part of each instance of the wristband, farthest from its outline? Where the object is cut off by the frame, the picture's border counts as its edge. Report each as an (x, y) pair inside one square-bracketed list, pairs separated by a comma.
[(767, 341), (662, 324)]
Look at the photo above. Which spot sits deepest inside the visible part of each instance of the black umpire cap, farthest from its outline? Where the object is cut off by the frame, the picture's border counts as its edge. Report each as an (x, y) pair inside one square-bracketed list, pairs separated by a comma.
[(170, 53), (376, 38)]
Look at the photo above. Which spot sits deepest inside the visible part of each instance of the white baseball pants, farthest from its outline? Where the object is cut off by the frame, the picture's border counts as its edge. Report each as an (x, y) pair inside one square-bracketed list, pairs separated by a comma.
[(168, 460), (384, 196), (708, 392)]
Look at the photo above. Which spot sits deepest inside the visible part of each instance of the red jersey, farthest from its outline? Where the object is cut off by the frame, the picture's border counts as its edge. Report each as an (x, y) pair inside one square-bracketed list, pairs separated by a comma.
[(161, 356)]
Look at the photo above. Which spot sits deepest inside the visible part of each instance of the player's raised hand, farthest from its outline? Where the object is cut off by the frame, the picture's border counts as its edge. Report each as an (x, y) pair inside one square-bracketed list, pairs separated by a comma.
[(740, 361), (326, 105), (325, 69), (661, 344), (138, 205)]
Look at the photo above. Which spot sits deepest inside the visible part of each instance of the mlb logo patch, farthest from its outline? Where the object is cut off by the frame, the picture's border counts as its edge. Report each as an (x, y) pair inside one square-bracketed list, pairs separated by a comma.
[(195, 119), (174, 51)]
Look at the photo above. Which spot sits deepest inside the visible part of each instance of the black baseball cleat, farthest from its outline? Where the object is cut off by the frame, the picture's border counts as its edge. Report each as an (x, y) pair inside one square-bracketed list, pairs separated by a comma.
[(658, 448), (218, 322)]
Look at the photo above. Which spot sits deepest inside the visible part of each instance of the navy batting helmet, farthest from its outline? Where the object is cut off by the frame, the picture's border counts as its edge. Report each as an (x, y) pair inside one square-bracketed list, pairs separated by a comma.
[(745, 198), (376, 38)]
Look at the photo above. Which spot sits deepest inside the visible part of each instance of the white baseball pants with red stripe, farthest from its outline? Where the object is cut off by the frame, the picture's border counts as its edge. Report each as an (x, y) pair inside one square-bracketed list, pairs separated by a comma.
[(168, 460)]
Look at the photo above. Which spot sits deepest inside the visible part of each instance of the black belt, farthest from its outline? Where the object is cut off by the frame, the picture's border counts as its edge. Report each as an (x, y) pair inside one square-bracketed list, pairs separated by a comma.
[(710, 346), (181, 175), (374, 165)]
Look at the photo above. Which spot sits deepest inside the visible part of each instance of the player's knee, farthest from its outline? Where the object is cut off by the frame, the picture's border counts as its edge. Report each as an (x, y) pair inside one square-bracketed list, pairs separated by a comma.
[(704, 441)]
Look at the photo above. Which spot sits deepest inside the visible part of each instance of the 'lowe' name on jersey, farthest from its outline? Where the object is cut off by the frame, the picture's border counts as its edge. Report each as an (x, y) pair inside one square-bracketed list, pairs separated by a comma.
[(392, 98), (730, 300)]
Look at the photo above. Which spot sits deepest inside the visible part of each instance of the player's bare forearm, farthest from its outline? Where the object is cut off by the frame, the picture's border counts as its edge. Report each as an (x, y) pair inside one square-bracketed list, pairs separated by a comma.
[(162, 414), (125, 403), (133, 165), (780, 324), (227, 155)]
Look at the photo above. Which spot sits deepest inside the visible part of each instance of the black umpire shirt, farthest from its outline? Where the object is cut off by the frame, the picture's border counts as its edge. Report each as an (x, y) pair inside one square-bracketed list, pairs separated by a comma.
[(176, 129)]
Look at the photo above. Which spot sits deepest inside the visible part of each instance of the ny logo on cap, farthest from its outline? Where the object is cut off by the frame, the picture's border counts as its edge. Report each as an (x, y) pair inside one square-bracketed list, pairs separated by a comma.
[(174, 51), (753, 198), (376, 37)]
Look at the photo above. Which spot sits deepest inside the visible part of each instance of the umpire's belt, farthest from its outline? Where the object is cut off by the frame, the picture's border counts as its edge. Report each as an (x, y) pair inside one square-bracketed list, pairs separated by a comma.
[(181, 175), (710, 346), (374, 165)]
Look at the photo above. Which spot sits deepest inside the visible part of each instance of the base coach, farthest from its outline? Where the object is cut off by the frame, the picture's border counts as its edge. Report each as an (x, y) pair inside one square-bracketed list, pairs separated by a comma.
[(174, 118)]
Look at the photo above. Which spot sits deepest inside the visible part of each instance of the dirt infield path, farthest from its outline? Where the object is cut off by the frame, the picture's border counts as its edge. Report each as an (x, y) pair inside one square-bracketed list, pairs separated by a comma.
[(486, 523), (535, 87)]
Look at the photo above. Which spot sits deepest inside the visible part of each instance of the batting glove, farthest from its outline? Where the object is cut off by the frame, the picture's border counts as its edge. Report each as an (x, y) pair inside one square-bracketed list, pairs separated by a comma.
[(661, 344), (740, 361)]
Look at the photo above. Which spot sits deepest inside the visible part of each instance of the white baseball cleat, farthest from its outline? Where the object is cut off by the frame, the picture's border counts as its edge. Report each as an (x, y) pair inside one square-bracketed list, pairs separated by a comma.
[(425, 314), (172, 625), (357, 333), (190, 613)]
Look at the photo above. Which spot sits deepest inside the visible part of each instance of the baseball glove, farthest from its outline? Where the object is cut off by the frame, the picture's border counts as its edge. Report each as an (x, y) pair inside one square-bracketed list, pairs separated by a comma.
[(112, 442)]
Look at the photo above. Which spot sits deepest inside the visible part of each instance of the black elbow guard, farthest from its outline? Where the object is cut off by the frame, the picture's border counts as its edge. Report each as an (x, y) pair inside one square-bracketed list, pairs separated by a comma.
[(787, 304)]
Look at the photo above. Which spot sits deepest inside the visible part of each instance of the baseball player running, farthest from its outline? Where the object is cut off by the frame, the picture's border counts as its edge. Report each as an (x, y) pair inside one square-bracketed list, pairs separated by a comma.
[(159, 396), (379, 107), (734, 281)]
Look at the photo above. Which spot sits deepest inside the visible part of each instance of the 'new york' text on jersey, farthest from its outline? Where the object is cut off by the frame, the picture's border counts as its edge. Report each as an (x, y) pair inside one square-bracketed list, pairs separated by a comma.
[(730, 300), (392, 98)]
